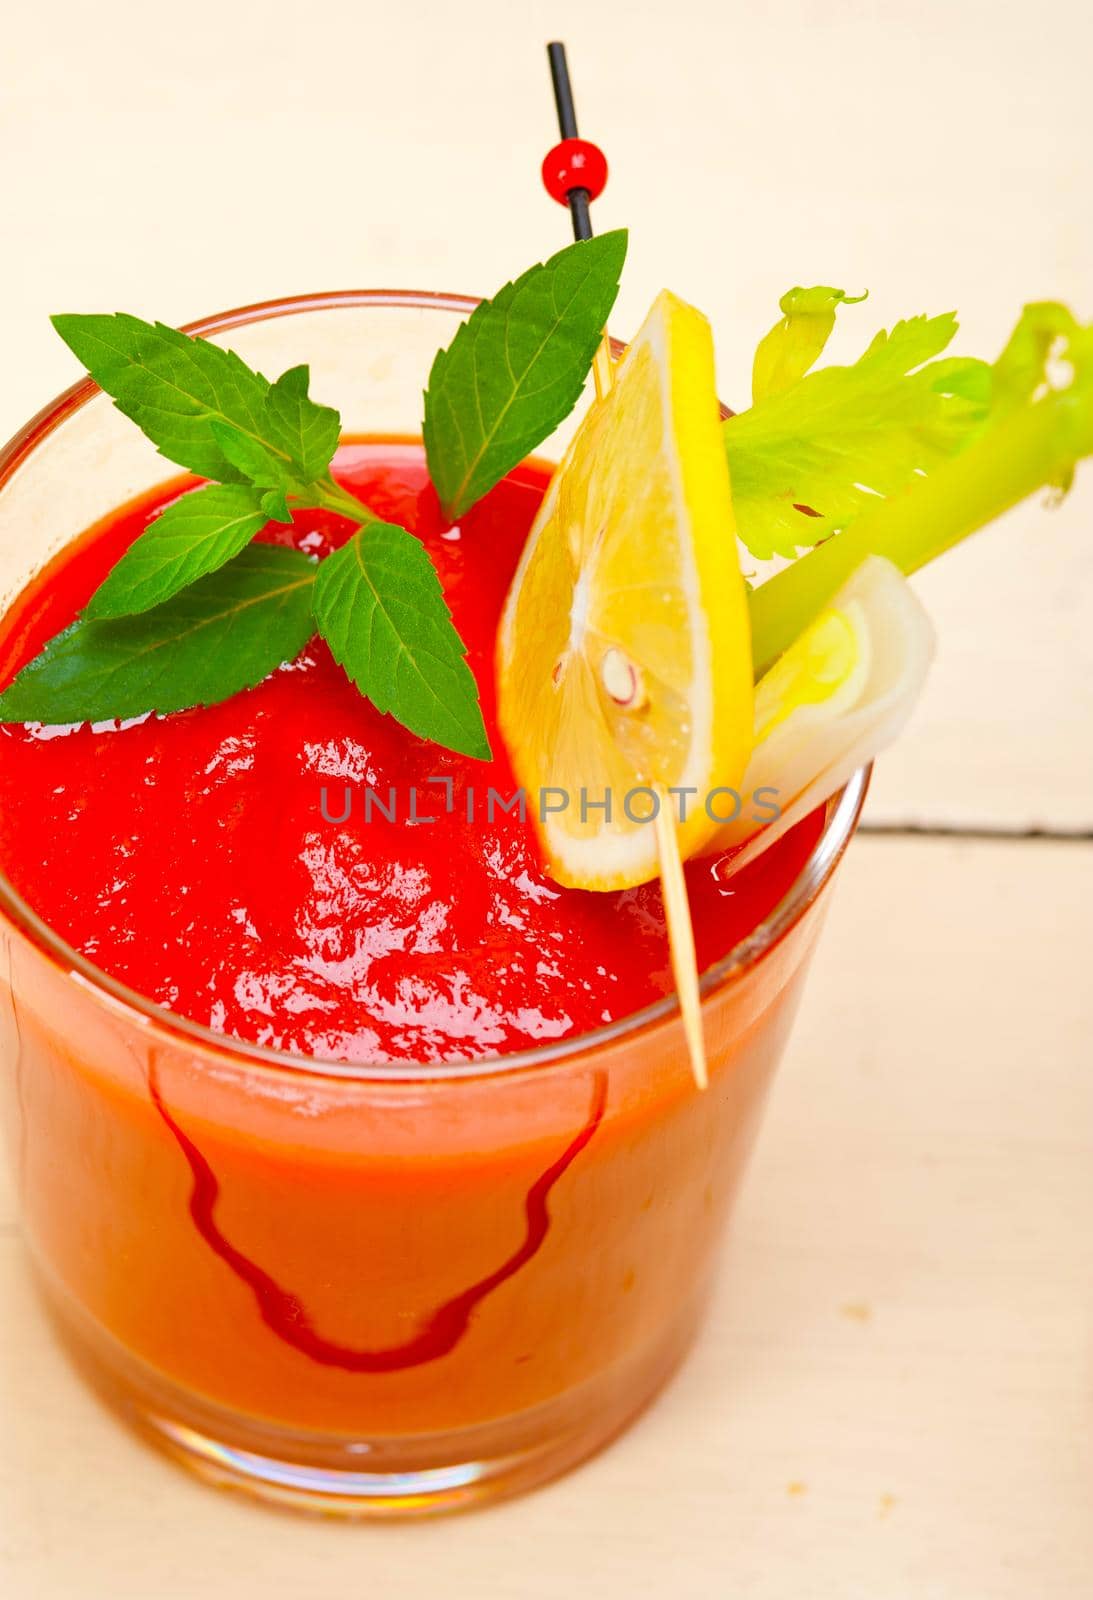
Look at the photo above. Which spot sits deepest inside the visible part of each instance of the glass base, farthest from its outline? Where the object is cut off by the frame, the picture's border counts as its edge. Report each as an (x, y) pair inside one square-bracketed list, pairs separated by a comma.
[(419, 1475)]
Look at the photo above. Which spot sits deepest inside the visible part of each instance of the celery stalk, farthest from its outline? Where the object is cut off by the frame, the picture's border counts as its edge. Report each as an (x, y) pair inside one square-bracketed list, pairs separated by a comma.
[(1031, 447)]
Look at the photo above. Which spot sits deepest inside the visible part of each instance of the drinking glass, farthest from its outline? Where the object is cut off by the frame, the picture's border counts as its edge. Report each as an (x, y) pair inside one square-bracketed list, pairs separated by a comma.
[(375, 1289)]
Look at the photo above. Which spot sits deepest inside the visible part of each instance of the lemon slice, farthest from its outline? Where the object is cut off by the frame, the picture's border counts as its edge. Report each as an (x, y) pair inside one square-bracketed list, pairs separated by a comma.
[(838, 696), (624, 654)]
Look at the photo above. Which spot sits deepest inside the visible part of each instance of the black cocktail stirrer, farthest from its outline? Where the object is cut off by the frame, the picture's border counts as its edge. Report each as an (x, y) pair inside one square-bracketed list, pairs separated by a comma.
[(574, 174), (577, 198)]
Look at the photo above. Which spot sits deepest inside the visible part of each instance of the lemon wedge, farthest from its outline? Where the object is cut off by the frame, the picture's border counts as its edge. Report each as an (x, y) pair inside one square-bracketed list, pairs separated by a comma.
[(839, 695), (624, 654)]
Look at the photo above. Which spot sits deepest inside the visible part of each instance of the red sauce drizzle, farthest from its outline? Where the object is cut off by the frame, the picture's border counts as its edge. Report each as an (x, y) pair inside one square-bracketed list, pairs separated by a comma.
[(284, 1314)]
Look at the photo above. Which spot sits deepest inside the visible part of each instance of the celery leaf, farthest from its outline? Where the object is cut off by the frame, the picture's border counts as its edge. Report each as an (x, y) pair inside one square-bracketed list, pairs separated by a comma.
[(806, 459)]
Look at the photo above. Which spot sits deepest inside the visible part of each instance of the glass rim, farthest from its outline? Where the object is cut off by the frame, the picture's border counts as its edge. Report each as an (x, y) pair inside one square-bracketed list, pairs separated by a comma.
[(842, 813)]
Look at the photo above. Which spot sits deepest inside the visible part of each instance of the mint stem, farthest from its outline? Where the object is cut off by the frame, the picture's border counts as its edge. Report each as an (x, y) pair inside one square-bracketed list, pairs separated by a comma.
[(1033, 447), (332, 497)]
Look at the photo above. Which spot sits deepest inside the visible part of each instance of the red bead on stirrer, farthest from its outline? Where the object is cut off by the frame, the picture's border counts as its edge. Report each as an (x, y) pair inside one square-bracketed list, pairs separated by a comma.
[(575, 171), (574, 174), (573, 168)]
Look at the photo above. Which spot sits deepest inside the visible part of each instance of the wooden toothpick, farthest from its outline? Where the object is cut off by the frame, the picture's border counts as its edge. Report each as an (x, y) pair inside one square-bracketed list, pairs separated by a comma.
[(677, 911), (681, 935)]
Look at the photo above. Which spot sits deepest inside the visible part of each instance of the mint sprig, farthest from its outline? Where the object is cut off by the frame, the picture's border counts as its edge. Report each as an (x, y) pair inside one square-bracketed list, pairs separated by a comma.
[(516, 368), (380, 608), (204, 408), (193, 612), (224, 633), (183, 618), (194, 535), (268, 445)]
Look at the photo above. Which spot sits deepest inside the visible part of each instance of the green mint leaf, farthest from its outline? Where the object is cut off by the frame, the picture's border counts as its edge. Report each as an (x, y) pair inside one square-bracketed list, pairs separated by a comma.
[(192, 536), (260, 464), (225, 633), (839, 437), (379, 606), (275, 506), (172, 386), (308, 431), (203, 407), (794, 344), (516, 368)]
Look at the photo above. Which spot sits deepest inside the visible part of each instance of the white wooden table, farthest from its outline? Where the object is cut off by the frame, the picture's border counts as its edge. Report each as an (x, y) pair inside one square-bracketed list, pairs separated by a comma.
[(892, 1397)]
